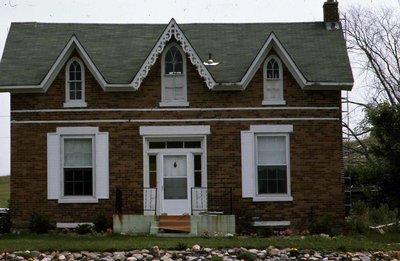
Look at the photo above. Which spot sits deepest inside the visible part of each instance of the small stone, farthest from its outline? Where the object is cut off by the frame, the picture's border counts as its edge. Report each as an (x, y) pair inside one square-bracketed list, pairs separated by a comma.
[(275, 252), (61, 258), (149, 257), (196, 248), (284, 257), (155, 251), (207, 250), (46, 259), (131, 258), (253, 251), (77, 255), (138, 256), (355, 259), (106, 254)]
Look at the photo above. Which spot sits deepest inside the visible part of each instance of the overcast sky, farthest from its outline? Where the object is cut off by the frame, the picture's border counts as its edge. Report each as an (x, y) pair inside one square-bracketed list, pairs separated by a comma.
[(147, 11)]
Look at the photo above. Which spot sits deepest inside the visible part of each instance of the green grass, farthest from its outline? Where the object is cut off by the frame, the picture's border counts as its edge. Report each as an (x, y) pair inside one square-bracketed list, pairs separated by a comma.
[(118, 242), (4, 191)]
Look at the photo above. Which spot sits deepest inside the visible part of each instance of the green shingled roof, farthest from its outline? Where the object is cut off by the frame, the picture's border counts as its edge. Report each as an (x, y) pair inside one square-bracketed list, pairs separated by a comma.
[(119, 50)]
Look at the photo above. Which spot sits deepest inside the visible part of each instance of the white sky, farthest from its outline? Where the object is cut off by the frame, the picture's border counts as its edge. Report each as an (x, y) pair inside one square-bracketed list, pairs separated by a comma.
[(161, 11)]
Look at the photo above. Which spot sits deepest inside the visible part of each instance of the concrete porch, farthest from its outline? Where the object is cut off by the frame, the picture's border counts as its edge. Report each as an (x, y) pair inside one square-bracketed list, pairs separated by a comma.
[(150, 224)]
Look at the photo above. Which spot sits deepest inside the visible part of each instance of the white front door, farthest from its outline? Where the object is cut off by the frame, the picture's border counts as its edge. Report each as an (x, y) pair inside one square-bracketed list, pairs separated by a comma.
[(175, 180)]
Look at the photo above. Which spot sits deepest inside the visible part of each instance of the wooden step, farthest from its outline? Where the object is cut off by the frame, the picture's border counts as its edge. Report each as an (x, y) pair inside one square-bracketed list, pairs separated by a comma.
[(175, 223)]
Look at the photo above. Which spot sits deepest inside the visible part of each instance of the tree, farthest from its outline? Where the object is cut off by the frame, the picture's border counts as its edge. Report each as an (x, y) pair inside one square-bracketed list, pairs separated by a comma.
[(373, 38)]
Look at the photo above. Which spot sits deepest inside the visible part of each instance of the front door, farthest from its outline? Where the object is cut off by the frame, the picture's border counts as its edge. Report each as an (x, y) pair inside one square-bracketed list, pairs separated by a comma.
[(175, 185)]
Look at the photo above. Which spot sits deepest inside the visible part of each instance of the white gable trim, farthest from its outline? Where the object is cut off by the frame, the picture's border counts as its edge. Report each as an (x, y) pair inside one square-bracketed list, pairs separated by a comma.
[(173, 29)]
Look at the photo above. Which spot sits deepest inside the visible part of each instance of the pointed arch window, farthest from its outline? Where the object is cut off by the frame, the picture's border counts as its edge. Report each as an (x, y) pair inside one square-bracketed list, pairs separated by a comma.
[(75, 84), (173, 77), (273, 81)]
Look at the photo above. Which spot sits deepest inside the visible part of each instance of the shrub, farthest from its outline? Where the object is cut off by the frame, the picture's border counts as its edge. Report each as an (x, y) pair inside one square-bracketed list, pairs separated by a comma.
[(244, 223), (247, 256), (320, 224), (39, 223), (265, 231), (101, 223), (83, 229), (362, 217)]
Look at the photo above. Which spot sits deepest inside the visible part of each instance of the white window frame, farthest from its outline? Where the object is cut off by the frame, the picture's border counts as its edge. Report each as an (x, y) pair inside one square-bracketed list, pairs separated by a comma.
[(62, 153), (173, 103), (55, 165), (249, 162), (74, 103), (267, 80)]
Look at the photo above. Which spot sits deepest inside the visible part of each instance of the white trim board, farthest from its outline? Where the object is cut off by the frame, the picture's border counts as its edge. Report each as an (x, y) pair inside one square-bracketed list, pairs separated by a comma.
[(271, 223), (174, 120), (178, 109), (174, 130), (72, 225)]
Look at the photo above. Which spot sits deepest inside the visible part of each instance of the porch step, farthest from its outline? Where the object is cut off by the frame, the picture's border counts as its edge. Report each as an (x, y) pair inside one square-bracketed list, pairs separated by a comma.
[(175, 224)]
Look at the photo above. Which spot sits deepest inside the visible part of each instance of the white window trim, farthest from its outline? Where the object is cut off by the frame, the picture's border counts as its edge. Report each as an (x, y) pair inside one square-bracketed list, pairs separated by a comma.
[(74, 103), (251, 158), (174, 133), (55, 171), (173, 103), (265, 84), (174, 130)]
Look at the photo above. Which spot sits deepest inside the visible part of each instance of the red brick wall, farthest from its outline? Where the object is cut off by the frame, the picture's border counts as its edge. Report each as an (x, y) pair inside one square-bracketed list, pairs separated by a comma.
[(316, 152)]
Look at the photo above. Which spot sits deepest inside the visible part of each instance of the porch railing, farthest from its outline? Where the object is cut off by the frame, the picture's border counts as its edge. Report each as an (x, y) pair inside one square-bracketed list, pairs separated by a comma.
[(211, 200), (133, 201), (203, 200)]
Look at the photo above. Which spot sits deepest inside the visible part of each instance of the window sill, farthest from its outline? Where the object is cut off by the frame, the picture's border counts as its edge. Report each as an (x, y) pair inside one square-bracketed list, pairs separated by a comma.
[(78, 200), (277, 198), (75, 104), (174, 104), (280, 102)]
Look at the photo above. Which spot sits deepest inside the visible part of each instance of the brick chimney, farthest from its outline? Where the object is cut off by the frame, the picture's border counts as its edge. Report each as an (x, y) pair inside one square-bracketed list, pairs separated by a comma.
[(331, 11)]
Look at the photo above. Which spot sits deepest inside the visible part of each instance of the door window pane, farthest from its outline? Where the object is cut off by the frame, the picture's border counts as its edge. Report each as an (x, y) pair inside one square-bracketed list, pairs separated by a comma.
[(175, 188)]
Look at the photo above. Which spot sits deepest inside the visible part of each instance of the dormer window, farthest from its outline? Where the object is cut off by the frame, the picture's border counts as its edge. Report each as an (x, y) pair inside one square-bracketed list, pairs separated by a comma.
[(75, 84), (273, 82), (173, 77)]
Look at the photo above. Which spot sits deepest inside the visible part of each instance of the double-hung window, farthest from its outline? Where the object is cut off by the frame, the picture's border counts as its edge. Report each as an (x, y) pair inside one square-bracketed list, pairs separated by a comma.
[(174, 84), (75, 84), (77, 165), (266, 162), (272, 164), (273, 81)]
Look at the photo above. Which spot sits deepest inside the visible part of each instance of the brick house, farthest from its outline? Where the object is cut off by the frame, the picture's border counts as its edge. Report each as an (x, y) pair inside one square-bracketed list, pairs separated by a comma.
[(147, 119)]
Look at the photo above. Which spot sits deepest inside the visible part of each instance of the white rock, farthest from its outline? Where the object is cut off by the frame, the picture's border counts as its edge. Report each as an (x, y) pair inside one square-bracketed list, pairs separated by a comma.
[(62, 258), (196, 248), (138, 256), (131, 258)]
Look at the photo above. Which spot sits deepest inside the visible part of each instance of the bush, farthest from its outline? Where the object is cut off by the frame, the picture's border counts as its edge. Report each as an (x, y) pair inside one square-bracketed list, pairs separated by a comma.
[(83, 229), (265, 231), (244, 223), (217, 258), (39, 223), (362, 217), (320, 224), (101, 223)]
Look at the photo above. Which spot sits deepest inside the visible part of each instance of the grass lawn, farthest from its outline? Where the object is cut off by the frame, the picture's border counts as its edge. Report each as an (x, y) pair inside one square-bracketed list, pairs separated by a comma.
[(118, 242), (4, 190)]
